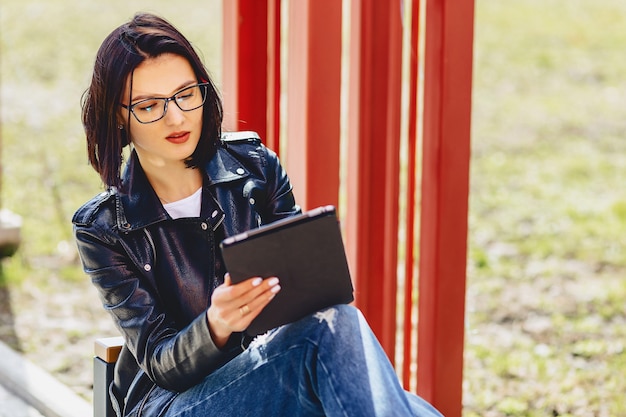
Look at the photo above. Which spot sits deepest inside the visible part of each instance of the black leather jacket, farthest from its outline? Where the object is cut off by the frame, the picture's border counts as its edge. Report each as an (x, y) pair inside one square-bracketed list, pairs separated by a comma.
[(156, 275)]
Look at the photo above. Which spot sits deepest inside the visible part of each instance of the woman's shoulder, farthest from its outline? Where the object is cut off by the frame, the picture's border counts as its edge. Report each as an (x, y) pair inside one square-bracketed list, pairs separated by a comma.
[(245, 143), (246, 146), (241, 137), (101, 205)]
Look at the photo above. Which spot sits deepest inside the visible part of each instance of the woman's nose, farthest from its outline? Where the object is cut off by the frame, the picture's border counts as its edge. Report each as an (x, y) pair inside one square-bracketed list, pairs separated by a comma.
[(174, 115)]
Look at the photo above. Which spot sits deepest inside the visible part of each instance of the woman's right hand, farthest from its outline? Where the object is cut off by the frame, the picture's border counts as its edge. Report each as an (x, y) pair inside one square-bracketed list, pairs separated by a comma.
[(234, 306)]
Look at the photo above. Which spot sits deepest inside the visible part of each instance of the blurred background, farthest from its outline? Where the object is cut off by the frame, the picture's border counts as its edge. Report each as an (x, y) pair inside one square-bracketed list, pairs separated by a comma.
[(546, 297), (49, 310)]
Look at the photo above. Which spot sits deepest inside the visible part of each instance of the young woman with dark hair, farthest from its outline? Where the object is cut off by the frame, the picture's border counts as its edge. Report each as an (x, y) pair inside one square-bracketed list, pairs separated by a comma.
[(150, 245)]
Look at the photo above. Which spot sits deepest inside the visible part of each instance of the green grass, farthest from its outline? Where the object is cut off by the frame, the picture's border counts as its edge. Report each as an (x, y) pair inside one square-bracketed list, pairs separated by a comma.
[(546, 294), (546, 291)]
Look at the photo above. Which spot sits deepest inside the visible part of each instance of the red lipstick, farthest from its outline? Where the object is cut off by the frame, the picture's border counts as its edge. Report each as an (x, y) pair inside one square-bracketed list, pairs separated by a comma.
[(178, 137)]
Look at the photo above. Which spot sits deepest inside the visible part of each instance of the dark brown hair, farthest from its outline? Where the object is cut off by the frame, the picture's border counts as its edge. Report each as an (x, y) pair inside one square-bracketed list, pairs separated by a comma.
[(145, 36)]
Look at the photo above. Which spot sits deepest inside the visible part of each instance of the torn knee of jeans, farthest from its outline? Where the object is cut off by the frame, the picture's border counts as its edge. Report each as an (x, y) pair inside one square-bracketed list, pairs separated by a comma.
[(328, 316), (257, 348)]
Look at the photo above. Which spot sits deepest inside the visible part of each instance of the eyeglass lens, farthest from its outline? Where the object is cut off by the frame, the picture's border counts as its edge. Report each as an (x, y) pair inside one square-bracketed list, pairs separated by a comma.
[(153, 109)]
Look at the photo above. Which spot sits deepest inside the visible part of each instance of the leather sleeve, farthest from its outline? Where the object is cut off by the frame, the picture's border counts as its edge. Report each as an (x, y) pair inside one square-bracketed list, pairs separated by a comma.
[(173, 358), (280, 202), (268, 189)]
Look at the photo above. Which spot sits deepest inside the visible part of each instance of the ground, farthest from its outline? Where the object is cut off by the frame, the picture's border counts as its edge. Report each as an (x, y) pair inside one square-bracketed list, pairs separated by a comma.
[(54, 324)]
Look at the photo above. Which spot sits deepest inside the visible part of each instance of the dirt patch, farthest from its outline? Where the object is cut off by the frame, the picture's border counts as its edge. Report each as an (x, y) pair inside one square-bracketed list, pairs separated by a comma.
[(54, 325)]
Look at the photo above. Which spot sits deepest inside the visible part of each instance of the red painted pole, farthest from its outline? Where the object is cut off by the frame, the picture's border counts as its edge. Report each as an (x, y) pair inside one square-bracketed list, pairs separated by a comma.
[(244, 79), (409, 248), (445, 189), (273, 75), (314, 89), (373, 161)]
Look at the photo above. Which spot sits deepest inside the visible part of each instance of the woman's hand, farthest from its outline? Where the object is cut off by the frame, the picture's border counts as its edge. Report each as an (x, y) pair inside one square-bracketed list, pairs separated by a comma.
[(233, 307)]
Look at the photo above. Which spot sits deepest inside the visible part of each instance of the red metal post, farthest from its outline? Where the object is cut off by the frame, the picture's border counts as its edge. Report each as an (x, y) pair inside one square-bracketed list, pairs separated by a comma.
[(409, 261), (373, 161), (245, 63), (273, 75), (314, 89), (445, 188)]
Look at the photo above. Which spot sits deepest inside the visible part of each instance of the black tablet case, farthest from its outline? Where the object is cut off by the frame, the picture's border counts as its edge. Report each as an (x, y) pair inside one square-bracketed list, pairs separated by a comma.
[(305, 252)]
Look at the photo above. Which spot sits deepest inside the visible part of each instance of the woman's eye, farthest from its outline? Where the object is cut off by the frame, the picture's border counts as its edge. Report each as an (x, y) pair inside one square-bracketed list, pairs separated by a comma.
[(183, 97), (147, 107)]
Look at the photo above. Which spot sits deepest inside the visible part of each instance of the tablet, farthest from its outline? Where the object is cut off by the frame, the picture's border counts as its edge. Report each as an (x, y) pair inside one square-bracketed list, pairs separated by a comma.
[(305, 252)]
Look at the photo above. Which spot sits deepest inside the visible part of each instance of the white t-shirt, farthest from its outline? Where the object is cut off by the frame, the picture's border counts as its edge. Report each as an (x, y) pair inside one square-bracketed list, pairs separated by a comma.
[(187, 207)]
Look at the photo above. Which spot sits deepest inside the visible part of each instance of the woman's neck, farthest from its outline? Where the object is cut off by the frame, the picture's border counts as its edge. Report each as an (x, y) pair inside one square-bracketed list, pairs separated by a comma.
[(173, 183)]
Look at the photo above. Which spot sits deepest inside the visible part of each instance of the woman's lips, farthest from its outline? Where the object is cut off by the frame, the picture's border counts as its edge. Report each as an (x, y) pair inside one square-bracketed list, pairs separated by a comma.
[(178, 137)]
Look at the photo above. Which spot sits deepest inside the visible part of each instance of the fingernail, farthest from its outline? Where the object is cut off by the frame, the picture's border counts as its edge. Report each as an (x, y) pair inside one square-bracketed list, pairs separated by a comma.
[(275, 289), (257, 281), (273, 281)]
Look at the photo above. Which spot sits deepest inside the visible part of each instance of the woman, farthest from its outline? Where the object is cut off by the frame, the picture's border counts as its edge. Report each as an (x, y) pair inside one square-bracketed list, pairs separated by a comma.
[(149, 244)]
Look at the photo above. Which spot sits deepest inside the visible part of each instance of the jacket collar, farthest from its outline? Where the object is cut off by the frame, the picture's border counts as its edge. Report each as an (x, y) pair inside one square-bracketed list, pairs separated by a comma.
[(224, 167), (139, 206)]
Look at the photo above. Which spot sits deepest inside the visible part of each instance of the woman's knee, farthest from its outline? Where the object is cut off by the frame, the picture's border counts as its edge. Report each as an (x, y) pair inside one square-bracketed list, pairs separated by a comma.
[(338, 321)]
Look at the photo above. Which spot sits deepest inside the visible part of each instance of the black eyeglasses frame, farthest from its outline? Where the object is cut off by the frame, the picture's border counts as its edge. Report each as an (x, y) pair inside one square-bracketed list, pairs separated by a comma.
[(203, 91)]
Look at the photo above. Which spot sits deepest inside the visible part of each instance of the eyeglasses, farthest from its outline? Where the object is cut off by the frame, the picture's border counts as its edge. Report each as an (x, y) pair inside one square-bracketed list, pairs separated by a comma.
[(152, 109)]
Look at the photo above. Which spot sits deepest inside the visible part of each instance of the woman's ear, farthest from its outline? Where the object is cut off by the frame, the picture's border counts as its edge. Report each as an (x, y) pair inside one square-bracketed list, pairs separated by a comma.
[(123, 134), (122, 128), (121, 117)]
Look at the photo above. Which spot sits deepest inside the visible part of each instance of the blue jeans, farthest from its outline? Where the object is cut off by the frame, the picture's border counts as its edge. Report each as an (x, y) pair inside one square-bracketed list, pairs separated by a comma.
[(327, 364)]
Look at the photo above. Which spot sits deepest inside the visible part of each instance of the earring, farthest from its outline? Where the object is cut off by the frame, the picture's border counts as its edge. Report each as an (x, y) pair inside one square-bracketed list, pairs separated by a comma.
[(120, 127)]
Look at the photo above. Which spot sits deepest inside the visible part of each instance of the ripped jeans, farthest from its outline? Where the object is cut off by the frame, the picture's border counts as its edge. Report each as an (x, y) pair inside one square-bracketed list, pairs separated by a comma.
[(327, 364)]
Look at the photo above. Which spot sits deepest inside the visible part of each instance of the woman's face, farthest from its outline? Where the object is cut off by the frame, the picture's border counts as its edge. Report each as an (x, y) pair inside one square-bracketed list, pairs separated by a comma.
[(173, 138)]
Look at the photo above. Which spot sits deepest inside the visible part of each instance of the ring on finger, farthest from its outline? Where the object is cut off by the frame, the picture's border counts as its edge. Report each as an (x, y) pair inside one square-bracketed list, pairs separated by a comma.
[(244, 310)]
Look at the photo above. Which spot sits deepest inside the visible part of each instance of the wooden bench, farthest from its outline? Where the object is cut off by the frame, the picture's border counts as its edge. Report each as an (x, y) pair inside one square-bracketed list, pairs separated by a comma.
[(106, 350)]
